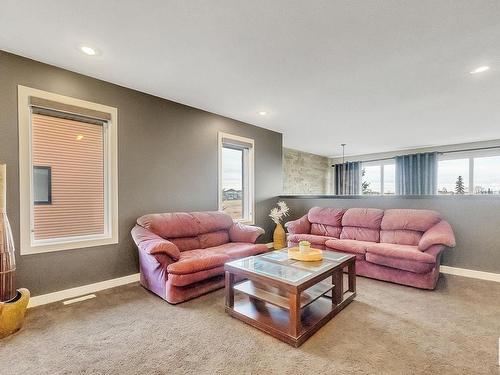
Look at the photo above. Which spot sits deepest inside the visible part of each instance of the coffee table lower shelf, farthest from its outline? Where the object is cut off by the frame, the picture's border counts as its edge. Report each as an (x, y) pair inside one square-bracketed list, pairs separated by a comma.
[(290, 300), (276, 321)]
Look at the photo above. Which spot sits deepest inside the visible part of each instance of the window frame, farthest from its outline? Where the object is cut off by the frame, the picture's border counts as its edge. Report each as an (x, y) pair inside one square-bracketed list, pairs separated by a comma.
[(380, 164), (470, 155), (27, 244), (49, 188), (248, 147)]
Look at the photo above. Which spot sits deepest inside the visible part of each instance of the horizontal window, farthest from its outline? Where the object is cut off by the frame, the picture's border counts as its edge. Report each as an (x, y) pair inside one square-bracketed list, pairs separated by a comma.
[(453, 176), (371, 179), (487, 175), (378, 177), (389, 178), (473, 172)]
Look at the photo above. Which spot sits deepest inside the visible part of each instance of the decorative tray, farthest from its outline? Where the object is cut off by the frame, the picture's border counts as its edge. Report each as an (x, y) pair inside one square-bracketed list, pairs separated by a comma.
[(312, 255)]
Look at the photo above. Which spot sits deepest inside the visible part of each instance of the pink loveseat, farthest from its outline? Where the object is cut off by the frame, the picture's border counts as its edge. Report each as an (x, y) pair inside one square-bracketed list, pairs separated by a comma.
[(403, 246), (182, 255)]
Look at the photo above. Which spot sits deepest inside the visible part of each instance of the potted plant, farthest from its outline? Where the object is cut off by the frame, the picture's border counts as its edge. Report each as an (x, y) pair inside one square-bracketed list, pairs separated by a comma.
[(277, 214)]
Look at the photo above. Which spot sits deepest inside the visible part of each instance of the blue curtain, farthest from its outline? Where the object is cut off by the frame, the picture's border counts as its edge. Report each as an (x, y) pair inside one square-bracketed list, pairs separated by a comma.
[(347, 178), (416, 174)]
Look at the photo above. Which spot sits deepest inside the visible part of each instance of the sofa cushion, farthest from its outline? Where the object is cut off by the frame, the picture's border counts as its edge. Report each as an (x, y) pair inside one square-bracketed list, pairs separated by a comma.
[(213, 239), (244, 233), (192, 261), (201, 241), (357, 248), (360, 234), (184, 224), (191, 278), (325, 230), (326, 215), (418, 220), (363, 218), (361, 224), (406, 252), (313, 239), (401, 264), (186, 243), (400, 236), (236, 250), (212, 221)]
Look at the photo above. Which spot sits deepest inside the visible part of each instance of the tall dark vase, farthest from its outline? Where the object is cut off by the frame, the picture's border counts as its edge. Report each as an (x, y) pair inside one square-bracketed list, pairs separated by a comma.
[(7, 255), (7, 261), (13, 303)]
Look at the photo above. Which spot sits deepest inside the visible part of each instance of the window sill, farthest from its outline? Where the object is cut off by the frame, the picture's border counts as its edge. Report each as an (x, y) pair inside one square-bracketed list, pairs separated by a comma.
[(64, 246), (329, 196)]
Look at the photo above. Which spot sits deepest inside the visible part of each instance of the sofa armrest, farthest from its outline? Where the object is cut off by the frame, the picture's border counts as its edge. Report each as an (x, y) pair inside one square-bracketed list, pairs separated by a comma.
[(244, 233), (299, 226), (440, 234), (153, 244)]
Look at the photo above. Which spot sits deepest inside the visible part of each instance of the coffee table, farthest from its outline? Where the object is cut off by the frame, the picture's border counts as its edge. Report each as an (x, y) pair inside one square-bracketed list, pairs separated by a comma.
[(289, 299)]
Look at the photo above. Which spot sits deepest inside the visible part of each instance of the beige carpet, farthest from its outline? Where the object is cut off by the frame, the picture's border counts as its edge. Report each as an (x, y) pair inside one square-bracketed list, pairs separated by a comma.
[(389, 329)]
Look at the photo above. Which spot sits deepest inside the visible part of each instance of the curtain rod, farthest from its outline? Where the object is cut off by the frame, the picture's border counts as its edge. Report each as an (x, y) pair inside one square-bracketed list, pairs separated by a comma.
[(439, 152)]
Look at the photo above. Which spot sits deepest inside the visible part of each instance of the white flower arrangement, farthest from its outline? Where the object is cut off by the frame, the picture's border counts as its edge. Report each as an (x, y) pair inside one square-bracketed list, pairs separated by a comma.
[(278, 213)]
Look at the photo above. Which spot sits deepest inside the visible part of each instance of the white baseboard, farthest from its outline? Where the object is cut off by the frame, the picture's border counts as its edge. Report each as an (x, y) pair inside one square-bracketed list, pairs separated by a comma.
[(87, 289), (81, 290), (490, 276), (96, 287)]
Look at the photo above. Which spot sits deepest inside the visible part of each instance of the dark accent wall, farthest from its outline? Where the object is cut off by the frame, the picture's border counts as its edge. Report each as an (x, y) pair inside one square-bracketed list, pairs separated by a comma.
[(167, 161), (475, 221)]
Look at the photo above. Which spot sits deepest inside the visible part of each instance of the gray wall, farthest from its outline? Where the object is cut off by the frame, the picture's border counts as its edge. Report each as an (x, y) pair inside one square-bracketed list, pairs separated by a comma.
[(475, 221), (305, 173), (167, 162)]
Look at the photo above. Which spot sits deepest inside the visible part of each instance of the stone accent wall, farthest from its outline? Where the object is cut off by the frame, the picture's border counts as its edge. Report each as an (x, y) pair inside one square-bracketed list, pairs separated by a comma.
[(305, 173)]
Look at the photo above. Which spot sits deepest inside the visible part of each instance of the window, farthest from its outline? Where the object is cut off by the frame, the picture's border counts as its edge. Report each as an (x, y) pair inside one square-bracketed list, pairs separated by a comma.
[(487, 175), (378, 177), (42, 186), (472, 172), (389, 178), (371, 179), (453, 176), (68, 172), (236, 181)]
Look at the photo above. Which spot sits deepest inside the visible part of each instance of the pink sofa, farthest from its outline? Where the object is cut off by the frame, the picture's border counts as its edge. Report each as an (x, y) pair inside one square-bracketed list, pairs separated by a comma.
[(182, 255), (403, 246)]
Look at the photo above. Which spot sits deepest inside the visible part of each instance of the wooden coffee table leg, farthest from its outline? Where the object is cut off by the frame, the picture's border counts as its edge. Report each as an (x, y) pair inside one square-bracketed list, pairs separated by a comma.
[(351, 271), (338, 289), (229, 281), (295, 325)]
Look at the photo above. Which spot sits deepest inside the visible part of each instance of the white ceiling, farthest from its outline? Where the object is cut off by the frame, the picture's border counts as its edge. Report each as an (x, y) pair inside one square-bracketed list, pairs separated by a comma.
[(377, 75)]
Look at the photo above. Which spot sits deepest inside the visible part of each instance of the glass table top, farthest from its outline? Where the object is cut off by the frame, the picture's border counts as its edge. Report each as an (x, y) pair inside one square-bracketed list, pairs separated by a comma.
[(277, 265), (269, 268)]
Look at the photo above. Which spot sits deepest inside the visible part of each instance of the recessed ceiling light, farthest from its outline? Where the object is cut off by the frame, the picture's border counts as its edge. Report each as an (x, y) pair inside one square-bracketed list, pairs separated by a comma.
[(88, 50), (79, 137), (480, 69), (262, 113)]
